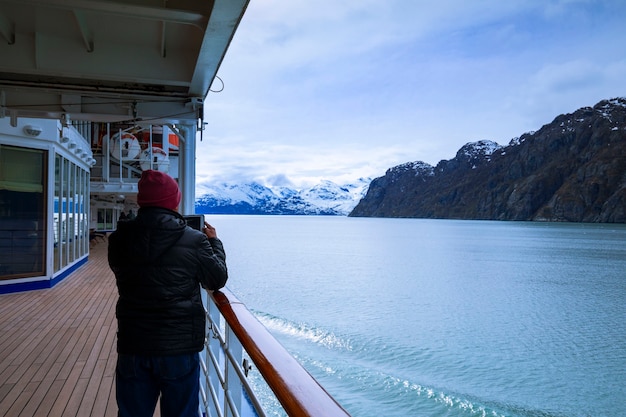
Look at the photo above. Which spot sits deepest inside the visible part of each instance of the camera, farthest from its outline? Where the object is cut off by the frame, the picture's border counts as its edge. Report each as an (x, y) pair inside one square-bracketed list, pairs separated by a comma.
[(195, 221)]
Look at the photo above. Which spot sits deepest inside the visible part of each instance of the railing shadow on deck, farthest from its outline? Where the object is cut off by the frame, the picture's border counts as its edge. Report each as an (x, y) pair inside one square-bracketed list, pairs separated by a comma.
[(234, 334)]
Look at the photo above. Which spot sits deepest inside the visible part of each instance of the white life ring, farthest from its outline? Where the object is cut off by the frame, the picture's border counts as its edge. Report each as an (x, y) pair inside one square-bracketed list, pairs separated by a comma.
[(156, 159), (128, 147)]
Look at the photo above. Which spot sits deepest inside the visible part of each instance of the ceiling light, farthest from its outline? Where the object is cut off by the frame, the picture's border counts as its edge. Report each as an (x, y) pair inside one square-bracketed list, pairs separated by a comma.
[(32, 130)]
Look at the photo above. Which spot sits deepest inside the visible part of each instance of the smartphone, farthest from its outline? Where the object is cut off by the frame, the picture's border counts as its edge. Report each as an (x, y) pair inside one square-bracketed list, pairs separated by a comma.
[(195, 221)]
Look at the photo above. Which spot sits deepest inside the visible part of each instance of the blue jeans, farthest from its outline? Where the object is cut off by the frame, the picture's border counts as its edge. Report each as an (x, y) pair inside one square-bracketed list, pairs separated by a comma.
[(139, 381)]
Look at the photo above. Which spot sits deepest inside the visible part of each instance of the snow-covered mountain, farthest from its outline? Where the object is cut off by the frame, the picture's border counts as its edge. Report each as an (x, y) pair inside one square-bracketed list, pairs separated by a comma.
[(325, 198)]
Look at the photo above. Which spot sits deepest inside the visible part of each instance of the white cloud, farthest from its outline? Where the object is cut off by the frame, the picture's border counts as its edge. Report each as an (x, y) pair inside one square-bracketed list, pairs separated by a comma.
[(331, 89)]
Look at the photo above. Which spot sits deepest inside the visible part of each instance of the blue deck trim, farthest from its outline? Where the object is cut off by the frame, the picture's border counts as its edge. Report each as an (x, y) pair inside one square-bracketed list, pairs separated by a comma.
[(43, 284)]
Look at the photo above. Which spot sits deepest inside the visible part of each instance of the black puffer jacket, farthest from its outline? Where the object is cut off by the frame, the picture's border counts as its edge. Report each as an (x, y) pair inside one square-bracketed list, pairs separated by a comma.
[(159, 264)]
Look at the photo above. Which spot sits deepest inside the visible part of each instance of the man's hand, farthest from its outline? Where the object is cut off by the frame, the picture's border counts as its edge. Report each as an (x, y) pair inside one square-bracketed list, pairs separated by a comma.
[(209, 231)]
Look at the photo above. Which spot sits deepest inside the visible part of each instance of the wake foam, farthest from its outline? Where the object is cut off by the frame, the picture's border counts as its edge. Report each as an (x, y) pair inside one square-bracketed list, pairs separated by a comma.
[(363, 381), (303, 331)]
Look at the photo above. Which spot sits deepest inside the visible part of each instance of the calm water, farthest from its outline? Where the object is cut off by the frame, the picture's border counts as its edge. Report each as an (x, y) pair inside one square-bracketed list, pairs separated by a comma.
[(411, 317)]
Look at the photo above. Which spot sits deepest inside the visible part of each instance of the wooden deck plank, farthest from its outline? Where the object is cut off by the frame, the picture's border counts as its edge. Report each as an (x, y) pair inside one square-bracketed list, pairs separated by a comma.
[(58, 346), (111, 410), (4, 376), (57, 351), (8, 404), (22, 401), (50, 363), (65, 404), (42, 391), (29, 399), (92, 388), (21, 346), (67, 356), (4, 390), (48, 400)]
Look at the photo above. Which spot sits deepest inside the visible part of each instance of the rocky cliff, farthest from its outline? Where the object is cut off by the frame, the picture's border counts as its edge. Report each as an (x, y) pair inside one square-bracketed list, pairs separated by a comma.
[(573, 169)]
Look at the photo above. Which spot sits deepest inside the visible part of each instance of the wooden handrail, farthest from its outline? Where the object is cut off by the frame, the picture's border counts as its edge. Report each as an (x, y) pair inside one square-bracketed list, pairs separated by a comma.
[(298, 392)]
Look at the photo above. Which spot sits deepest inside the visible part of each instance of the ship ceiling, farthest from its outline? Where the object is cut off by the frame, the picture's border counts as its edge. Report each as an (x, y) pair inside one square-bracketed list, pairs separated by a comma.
[(109, 61)]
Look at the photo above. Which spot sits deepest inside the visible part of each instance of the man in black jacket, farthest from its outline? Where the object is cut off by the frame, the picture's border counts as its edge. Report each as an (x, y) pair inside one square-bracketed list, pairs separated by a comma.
[(160, 264)]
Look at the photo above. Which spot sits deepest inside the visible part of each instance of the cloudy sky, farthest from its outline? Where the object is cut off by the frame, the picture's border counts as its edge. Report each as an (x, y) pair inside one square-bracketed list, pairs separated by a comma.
[(338, 90)]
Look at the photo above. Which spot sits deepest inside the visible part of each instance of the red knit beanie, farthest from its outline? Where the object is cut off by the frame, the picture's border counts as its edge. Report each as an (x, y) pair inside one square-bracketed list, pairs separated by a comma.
[(157, 189)]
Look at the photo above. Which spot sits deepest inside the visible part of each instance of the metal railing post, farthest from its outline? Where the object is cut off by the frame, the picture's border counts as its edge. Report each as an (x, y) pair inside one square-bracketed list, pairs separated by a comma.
[(233, 388)]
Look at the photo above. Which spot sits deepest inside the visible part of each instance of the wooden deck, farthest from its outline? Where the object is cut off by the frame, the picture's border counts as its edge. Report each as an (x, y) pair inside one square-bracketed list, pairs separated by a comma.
[(57, 346)]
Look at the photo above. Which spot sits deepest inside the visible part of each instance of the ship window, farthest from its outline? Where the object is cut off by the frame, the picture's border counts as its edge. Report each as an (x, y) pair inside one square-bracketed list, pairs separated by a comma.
[(71, 197), (105, 219), (22, 212)]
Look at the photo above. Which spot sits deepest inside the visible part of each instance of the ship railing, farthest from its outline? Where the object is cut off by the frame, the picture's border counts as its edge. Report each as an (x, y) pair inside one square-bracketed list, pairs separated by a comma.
[(237, 345)]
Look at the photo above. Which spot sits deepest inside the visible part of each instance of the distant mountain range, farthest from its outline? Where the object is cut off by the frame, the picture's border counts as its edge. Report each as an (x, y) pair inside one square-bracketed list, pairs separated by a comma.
[(573, 169), (325, 198)]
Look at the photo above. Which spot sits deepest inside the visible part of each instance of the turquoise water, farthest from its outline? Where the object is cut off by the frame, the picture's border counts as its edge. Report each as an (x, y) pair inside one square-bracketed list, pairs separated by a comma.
[(412, 317)]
